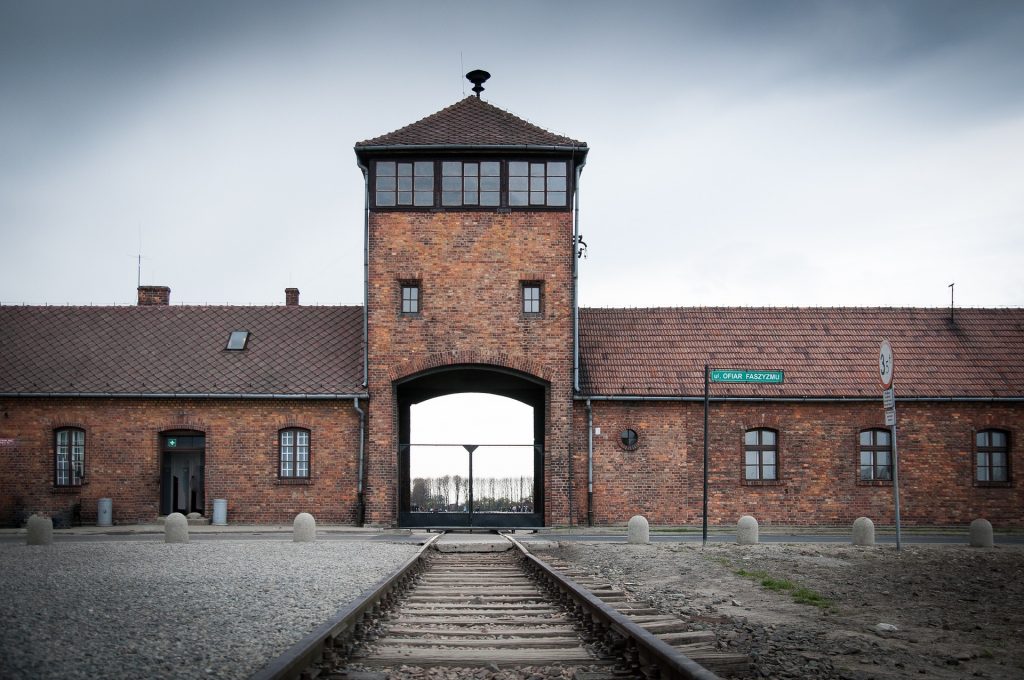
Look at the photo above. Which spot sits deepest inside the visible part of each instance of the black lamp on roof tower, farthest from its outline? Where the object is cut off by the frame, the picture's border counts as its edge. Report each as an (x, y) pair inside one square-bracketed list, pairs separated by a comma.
[(478, 78)]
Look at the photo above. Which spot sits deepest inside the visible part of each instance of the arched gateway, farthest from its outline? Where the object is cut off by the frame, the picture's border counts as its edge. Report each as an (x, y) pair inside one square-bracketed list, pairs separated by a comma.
[(477, 483)]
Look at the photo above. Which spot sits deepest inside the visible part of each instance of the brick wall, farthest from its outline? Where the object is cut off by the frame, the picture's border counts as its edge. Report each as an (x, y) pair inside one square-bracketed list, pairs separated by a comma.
[(660, 479), (818, 456), (122, 458), (469, 265)]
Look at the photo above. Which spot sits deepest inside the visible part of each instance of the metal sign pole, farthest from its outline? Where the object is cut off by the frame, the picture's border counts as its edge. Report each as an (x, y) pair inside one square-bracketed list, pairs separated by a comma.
[(896, 475), (887, 374), (704, 532)]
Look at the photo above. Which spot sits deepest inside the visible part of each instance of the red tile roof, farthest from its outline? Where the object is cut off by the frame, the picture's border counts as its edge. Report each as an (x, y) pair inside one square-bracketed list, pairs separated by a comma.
[(180, 350), (473, 122), (823, 352)]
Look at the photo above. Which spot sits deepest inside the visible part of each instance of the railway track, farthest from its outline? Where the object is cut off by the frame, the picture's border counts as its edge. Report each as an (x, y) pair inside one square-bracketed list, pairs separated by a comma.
[(498, 611)]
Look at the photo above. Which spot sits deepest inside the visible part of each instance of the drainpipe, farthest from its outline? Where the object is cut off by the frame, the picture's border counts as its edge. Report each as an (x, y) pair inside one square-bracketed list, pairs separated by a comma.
[(366, 270), (575, 280), (590, 465), (575, 316), (360, 504)]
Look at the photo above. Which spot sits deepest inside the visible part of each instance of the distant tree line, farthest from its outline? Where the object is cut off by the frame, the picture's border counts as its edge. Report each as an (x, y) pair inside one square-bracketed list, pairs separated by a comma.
[(450, 493)]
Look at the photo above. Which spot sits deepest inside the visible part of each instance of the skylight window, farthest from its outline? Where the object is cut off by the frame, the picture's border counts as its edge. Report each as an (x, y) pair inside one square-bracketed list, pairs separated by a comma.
[(237, 340)]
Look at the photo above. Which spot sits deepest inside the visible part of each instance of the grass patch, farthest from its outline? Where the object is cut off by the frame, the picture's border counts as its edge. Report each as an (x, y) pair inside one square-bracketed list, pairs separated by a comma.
[(809, 597), (800, 594)]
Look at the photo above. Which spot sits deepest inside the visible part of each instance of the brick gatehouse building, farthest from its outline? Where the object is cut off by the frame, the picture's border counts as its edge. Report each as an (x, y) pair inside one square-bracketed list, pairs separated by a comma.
[(471, 237)]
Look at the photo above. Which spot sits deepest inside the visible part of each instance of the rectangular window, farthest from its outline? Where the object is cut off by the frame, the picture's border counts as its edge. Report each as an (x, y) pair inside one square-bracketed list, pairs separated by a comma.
[(410, 298), (992, 457), (875, 456), (760, 455), (531, 297), (409, 183), (237, 340), (474, 184), (471, 183), (69, 463), (294, 453), (537, 183)]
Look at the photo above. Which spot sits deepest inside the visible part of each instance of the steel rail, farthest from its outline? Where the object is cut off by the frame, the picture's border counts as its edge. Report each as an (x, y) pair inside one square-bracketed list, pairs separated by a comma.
[(669, 661), (310, 649)]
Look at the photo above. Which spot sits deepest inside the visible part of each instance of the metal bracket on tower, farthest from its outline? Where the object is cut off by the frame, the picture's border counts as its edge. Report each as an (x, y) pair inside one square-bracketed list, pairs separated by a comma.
[(581, 247)]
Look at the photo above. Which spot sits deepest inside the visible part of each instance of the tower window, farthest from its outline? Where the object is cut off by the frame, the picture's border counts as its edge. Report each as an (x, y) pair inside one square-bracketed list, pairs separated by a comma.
[(531, 297), (471, 184), (537, 184), (410, 298), (464, 183), (404, 183)]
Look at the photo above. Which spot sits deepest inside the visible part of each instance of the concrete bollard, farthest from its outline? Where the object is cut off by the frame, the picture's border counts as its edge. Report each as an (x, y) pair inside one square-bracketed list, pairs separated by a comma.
[(40, 530), (176, 528), (304, 528), (746, 531), (638, 531), (981, 534), (863, 531)]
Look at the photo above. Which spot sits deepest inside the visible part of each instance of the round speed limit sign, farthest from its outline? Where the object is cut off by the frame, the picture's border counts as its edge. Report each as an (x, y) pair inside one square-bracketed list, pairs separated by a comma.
[(885, 364)]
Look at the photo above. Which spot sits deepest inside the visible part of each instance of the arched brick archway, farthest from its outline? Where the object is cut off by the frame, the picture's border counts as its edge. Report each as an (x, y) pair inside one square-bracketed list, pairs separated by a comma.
[(529, 369), (446, 379)]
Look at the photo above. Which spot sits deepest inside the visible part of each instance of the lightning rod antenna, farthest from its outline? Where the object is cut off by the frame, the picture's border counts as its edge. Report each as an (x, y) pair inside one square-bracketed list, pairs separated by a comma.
[(951, 319)]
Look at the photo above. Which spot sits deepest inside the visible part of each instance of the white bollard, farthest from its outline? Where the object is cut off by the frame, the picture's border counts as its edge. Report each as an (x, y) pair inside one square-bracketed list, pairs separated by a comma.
[(638, 531), (304, 528), (746, 531), (981, 534), (40, 530), (863, 531), (176, 528)]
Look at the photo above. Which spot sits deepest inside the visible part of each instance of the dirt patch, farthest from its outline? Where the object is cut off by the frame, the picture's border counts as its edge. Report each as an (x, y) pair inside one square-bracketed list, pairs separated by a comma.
[(813, 610)]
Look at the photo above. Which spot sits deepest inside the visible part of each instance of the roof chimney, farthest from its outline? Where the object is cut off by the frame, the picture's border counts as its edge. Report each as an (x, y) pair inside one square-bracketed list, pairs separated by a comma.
[(150, 296), (291, 297), (478, 78)]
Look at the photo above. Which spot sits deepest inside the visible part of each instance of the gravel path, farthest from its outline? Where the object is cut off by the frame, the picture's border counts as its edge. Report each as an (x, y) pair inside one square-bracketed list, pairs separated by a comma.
[(213, 609)]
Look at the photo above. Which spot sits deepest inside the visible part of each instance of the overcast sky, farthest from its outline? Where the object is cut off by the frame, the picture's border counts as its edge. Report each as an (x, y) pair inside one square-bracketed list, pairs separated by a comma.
[(743, 153)]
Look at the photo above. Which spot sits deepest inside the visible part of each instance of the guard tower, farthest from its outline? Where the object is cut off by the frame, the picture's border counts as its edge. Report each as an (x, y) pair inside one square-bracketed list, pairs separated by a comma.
[(470, 287)]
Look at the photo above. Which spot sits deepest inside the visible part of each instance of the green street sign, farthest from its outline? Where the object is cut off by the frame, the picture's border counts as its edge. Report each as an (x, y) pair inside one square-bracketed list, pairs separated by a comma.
[(740, 375)]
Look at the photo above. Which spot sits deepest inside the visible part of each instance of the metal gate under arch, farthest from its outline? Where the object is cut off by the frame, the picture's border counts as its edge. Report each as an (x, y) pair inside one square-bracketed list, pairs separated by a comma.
[(472, 501)]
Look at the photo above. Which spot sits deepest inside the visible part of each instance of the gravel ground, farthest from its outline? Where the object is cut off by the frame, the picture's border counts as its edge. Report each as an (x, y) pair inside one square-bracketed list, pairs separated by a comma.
[(954, 611), (214, 609)]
